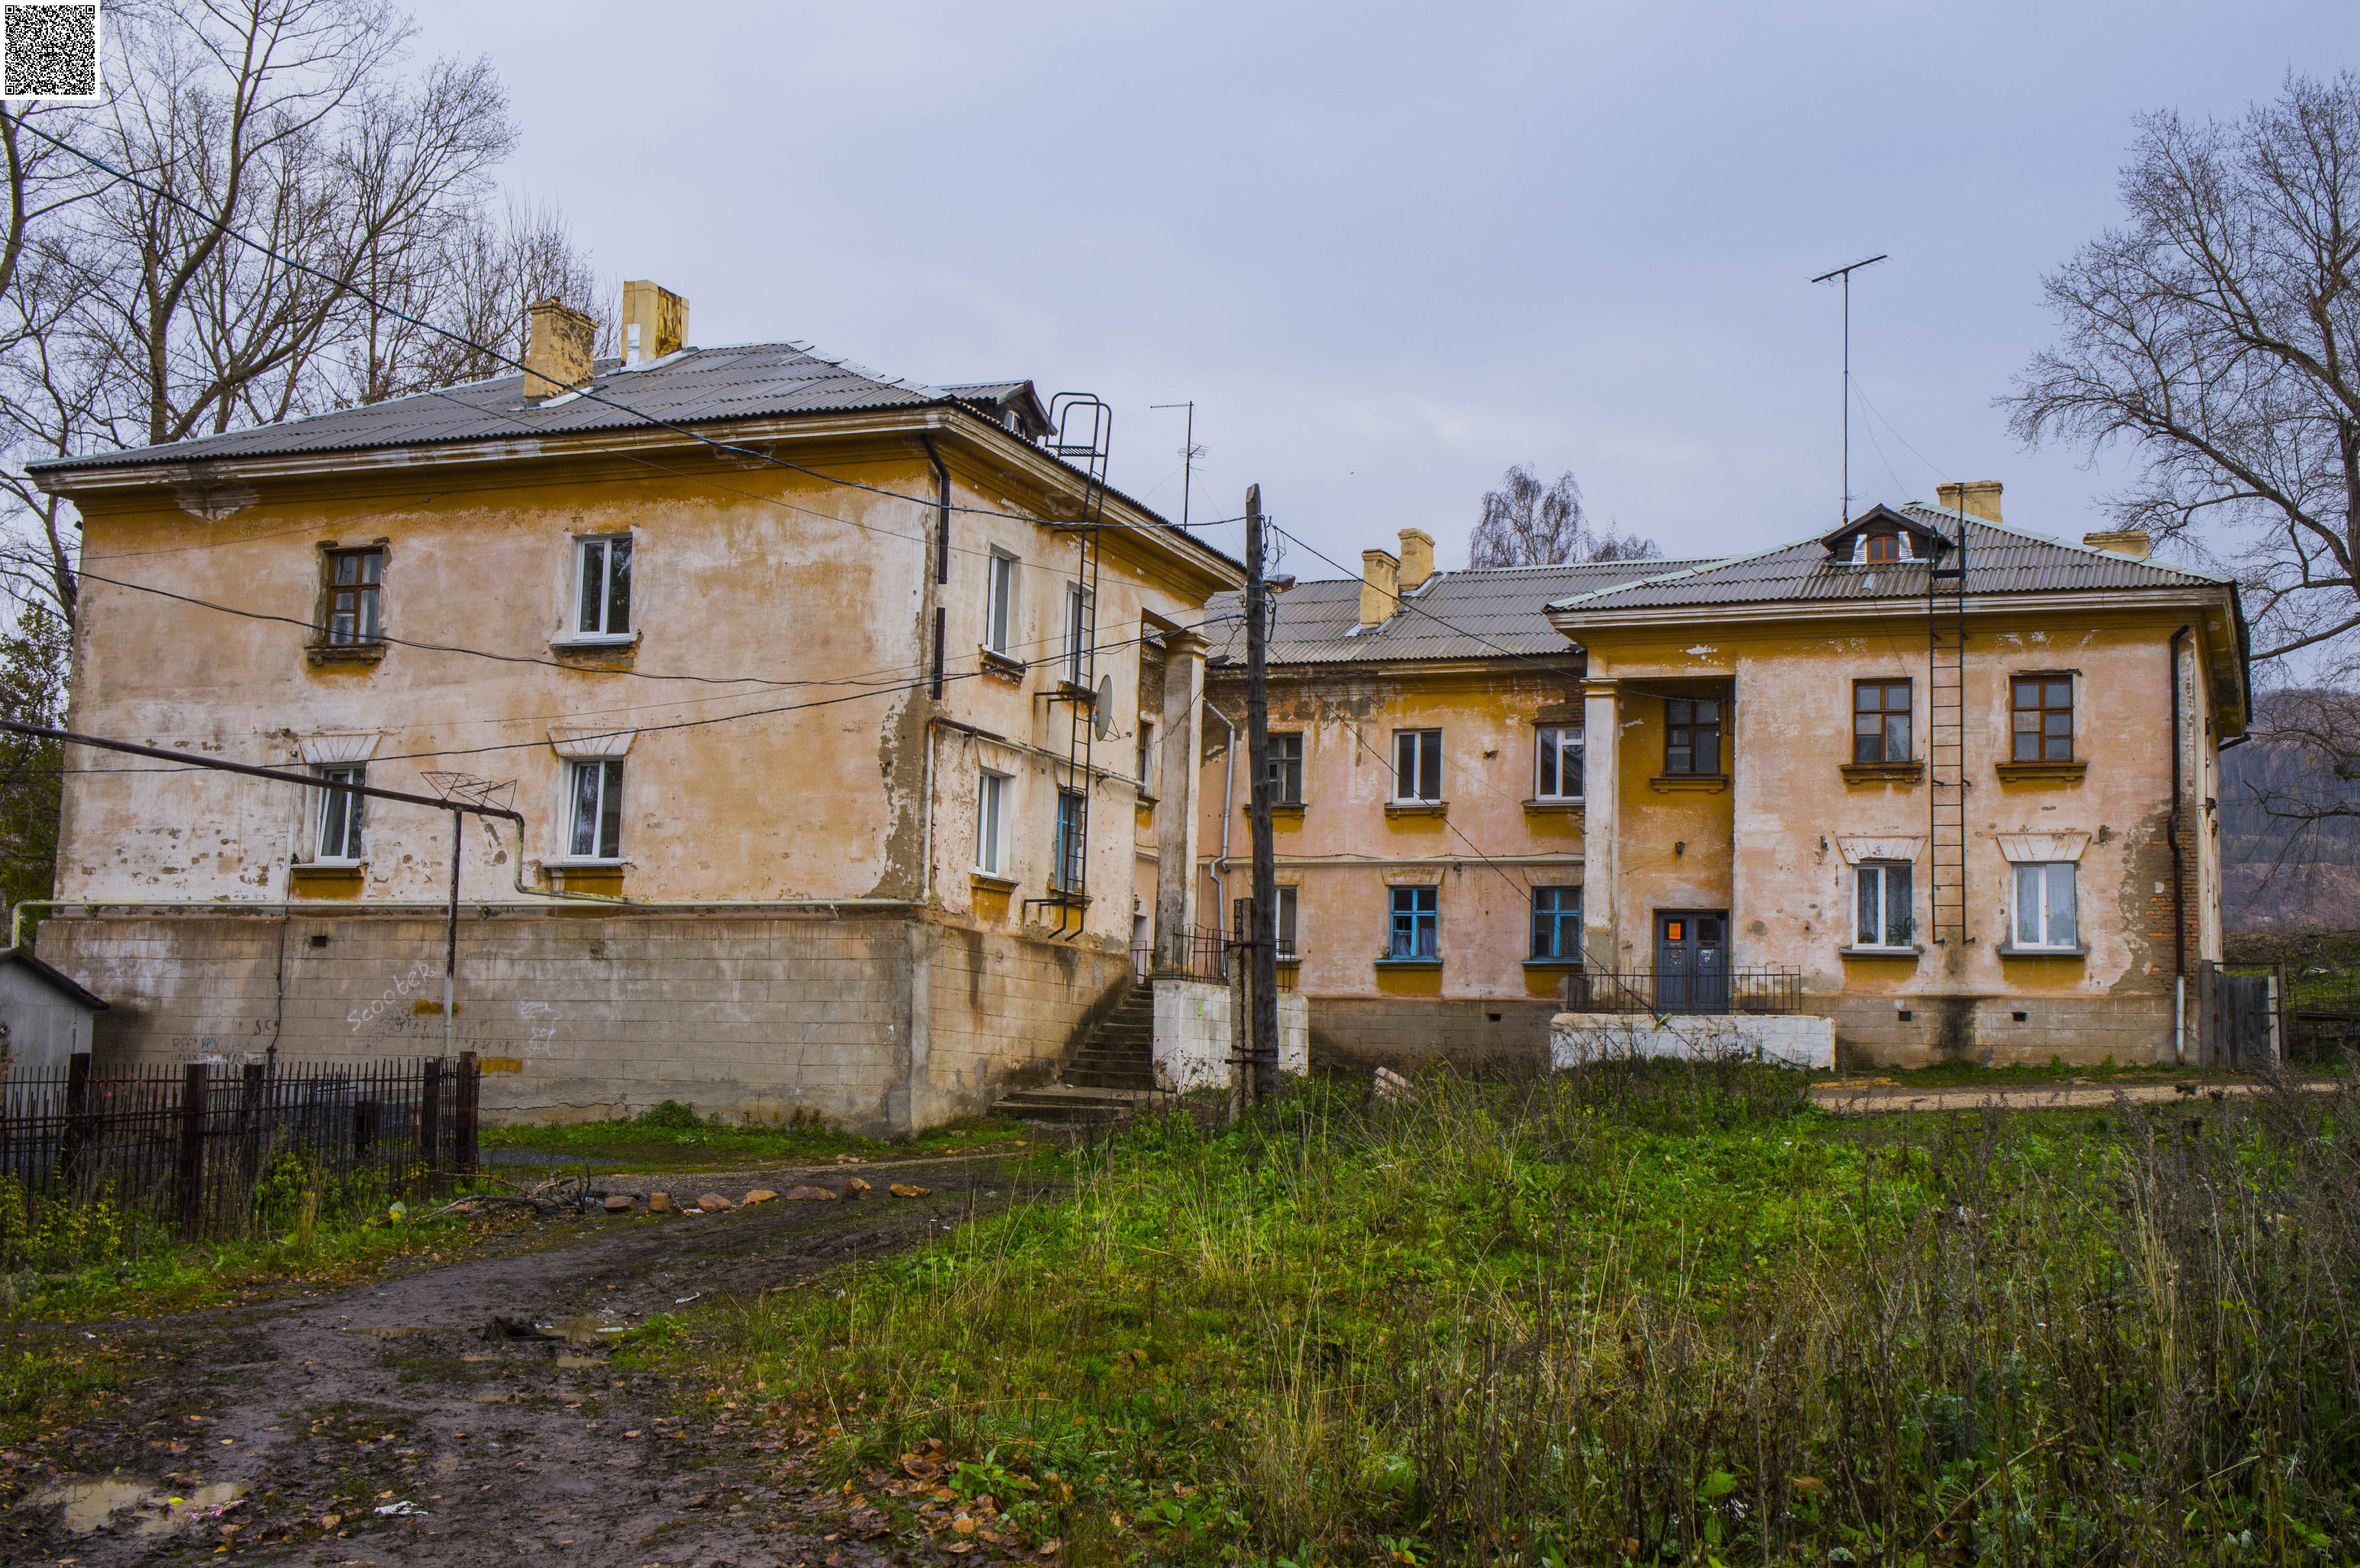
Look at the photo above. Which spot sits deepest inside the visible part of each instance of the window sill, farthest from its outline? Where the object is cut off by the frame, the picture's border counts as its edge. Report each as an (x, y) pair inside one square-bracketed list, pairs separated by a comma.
[(985, 882), (345, 653), (993, 662), (592, 642), (1882, 772), (1570, 805), (1697, 783), (329, 879), (1409, 963), (1910, 953), (1417, 808), (1567, 963), (2008, 949), (1288, 812), (2041, 772)]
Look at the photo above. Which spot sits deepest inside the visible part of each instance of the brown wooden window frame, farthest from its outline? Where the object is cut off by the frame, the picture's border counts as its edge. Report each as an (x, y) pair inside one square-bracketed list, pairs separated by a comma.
[(1879, 549), (1286, 758), (1684, 724), (1878, 739), (2049, 742), (366, 590)]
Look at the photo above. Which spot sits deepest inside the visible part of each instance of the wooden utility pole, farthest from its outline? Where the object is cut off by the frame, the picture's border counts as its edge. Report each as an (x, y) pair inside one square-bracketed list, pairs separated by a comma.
[(1262, 1030)]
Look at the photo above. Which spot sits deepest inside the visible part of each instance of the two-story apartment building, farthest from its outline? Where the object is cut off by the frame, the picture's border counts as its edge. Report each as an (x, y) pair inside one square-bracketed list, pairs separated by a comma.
[(776, 655), (1965, 817)]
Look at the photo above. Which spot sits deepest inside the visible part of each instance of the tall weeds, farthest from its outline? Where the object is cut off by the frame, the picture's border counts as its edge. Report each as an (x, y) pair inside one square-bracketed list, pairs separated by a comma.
[(1653, 1311)]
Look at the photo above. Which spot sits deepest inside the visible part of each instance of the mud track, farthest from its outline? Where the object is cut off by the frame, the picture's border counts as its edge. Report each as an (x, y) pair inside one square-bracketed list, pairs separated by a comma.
[(517, 1451)]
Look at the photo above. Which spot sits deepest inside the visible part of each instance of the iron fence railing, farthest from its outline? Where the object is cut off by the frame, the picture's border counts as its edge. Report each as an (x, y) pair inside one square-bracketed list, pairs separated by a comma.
[(190, 1149), (1652, 991), (1204, 954)]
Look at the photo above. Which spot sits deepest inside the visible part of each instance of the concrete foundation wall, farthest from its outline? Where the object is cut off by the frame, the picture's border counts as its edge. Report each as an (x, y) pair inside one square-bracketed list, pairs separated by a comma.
[(1360, 1033), (1793, 1040), (881, 1024), (1995, 1031), (1192, 1035)]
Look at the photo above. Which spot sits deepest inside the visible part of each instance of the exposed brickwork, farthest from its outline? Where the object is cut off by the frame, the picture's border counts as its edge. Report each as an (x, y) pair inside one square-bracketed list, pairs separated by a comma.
[(879, 1023)]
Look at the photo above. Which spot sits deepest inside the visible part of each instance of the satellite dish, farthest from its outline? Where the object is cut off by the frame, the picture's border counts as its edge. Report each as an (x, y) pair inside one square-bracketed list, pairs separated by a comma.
[(1102, 708)]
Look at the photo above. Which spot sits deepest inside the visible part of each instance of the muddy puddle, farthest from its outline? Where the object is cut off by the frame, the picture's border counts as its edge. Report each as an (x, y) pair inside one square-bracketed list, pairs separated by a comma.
[(94, 1504)]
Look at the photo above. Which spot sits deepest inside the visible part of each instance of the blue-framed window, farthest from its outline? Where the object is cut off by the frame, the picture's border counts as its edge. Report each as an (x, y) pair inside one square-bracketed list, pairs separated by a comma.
[(1073, 817), (1557, 922), (1413, 927)]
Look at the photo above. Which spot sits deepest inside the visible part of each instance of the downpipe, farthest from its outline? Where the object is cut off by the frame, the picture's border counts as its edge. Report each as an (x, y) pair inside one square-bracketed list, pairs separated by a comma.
[(2179, 878), (1229, 771)]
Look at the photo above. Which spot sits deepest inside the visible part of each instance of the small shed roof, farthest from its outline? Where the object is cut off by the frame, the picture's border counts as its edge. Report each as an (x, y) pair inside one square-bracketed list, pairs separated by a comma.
[(49, 974)]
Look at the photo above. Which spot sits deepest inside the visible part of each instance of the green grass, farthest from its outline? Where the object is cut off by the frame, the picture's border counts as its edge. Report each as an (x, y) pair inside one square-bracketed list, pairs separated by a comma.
[(1661, 1314), (673, 1136)]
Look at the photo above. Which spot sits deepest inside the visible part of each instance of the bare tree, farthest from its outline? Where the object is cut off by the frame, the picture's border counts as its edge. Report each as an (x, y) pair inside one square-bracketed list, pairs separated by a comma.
[(140, 318), (2215, 334), (1527, 523)]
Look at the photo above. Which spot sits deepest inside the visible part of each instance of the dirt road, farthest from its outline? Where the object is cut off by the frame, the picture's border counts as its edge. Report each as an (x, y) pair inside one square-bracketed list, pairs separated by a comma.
[(1871, 1097), (269, 1421)]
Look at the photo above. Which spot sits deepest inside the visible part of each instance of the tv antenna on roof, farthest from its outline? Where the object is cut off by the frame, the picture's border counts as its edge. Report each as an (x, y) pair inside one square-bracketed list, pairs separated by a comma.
[(1845, 273), (1189, 452)]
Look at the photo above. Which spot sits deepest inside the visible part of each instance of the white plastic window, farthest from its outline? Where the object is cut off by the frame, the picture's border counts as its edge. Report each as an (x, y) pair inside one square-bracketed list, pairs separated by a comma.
[(340, 814), (2047, 912), (597, 800), (603, 587), (990, 822)]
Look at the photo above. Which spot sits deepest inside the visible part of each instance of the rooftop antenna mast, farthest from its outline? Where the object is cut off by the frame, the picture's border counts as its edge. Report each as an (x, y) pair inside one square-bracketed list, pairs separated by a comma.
[(1189, 452), (1844, 516)]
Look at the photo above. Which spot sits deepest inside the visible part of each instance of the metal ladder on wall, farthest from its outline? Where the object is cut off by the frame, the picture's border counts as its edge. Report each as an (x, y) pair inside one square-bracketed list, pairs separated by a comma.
[(1946, 737), (1084, 434)]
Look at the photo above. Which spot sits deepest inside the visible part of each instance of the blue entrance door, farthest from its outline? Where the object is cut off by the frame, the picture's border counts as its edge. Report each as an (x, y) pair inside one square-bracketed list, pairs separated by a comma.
[(1691, 961)]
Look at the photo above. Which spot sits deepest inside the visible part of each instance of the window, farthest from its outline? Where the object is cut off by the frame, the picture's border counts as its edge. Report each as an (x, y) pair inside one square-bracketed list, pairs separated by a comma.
[(353, 586), (1000, 600), (1286, 908), (2044, 718), (604, 598), (340, 814), (1880, 721), (1692, 734), (1413, 923), (1077, 631), (1417, 765), (597, 809), (1882, 915), (990, 814), (1559, 752), (1073, 818), (1882, 548), (2045, 914), (1146, 762), (1287, 769), (1557, 922)]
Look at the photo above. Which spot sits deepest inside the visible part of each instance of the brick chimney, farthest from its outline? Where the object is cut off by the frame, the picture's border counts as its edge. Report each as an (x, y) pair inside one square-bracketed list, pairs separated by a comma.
[(1417, 557), (655, 322), (2132, 542), (1981, 497), (557, 350), (1380, 586)]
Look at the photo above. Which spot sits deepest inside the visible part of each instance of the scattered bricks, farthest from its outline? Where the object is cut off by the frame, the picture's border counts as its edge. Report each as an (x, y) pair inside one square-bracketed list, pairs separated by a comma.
[(807, 1195), (856, 1188), (903, 1190), (761, 1195), (659, 1203), (620, 1204), (714, 1204)]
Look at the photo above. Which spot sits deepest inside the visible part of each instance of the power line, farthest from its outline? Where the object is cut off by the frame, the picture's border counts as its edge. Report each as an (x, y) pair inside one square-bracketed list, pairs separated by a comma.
[(588, 392)]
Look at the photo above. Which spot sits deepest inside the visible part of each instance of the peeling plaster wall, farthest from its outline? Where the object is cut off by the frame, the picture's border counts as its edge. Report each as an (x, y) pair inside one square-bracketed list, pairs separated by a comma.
[(1770, 850)]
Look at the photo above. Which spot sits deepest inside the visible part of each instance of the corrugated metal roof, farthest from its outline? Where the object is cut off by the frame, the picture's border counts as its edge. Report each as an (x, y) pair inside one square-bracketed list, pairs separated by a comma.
[(1488, 614), (694, 386), (2000, 560)]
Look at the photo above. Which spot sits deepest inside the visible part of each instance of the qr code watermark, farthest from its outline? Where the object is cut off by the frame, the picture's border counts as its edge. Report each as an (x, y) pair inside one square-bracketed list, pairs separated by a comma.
[(48, 51)]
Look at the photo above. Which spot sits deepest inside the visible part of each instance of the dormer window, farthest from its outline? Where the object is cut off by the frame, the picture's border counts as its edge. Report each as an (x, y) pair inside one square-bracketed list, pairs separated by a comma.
[(1881, 548)]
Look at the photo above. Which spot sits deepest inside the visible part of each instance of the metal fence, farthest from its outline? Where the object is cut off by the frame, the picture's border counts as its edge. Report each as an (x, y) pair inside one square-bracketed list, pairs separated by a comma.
[(1650, 991), (1205, 955), (187, 1150)]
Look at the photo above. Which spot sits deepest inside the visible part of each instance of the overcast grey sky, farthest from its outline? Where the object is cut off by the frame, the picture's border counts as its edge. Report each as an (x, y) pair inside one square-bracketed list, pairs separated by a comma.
[(1388, 249)]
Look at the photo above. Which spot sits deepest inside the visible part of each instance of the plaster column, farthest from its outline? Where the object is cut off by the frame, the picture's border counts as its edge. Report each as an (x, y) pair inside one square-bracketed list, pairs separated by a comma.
[(1601, 735), (1175, 806)]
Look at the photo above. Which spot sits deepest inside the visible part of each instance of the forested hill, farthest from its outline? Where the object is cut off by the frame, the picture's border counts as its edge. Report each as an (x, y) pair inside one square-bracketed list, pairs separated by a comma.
[(2277, 875)]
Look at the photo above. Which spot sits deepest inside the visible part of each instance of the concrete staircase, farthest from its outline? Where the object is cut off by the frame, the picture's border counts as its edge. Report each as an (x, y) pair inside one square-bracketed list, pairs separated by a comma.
[(1107, 1079)]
